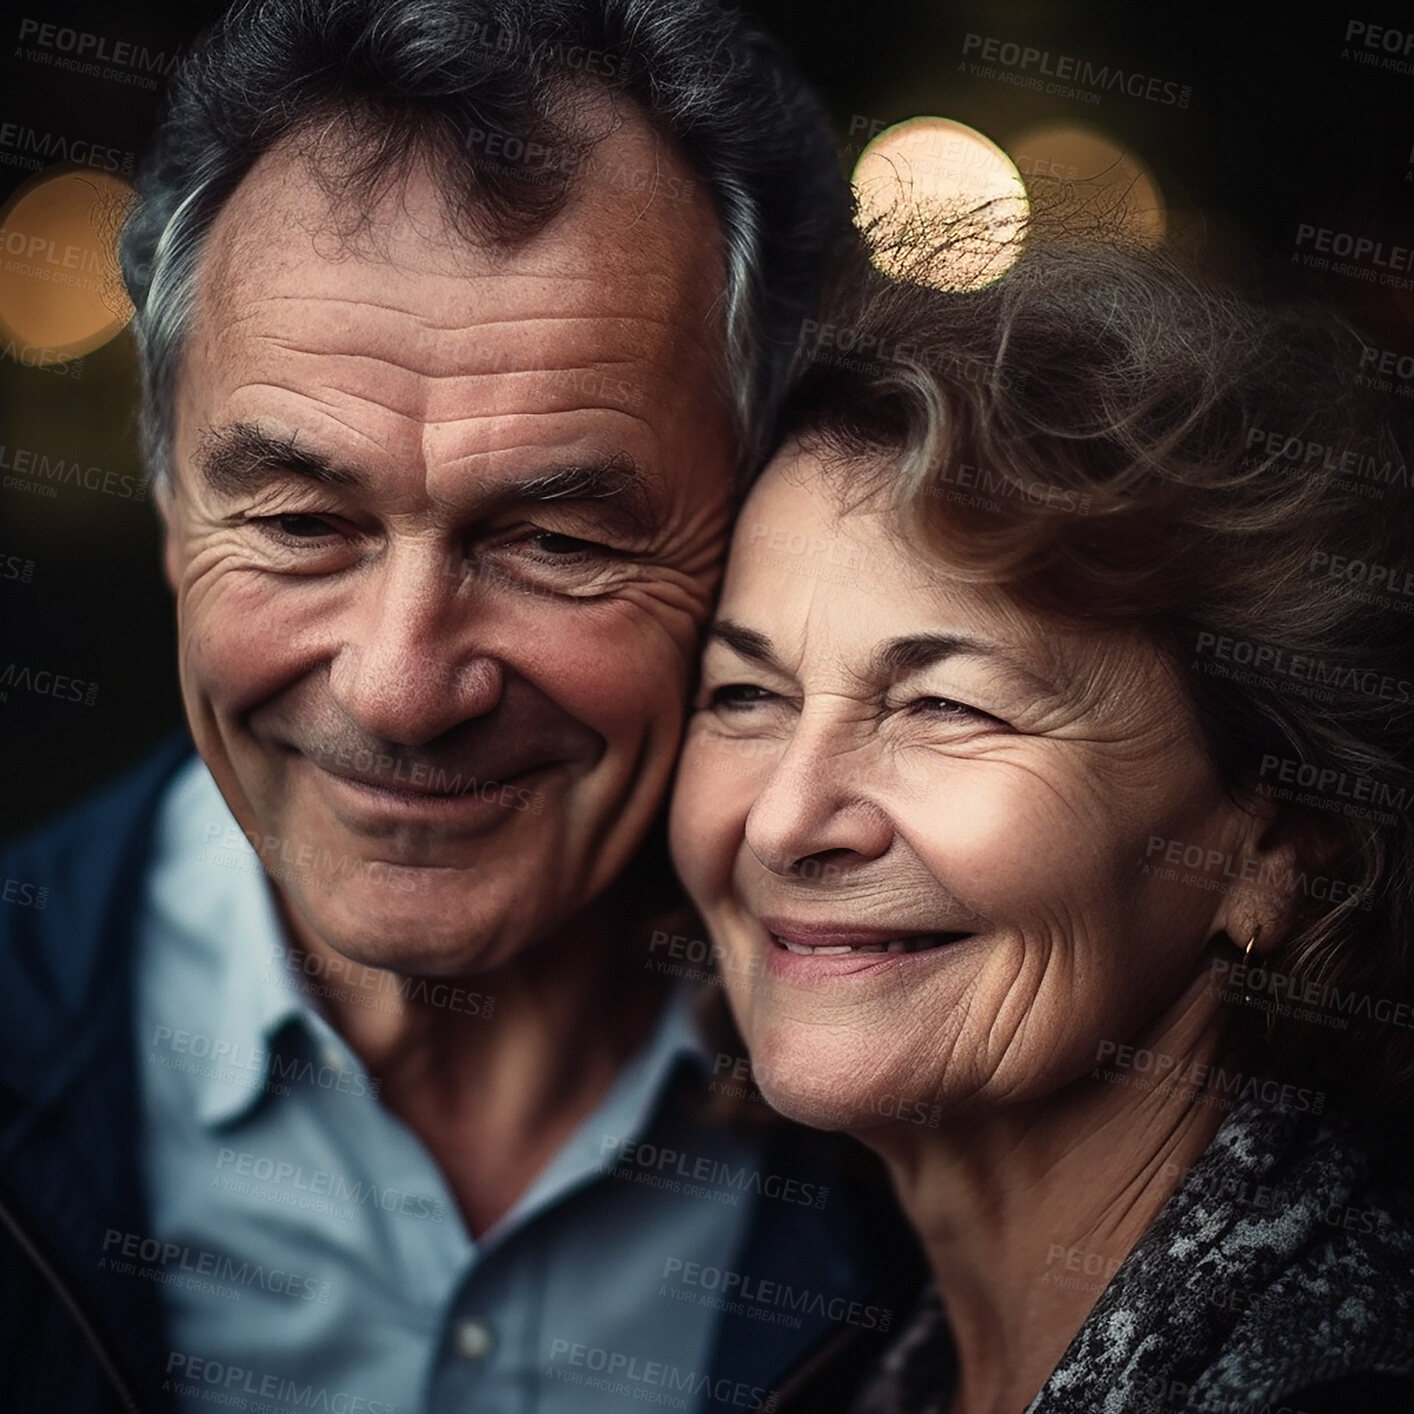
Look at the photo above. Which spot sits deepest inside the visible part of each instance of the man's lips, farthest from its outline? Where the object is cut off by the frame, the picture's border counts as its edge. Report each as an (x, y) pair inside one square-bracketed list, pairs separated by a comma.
[(526, 732), (422, 781), (827, 939)]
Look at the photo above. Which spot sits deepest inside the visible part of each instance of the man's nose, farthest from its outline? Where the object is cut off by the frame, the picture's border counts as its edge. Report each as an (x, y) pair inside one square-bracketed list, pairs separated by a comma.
[(814, 810), (410, 667)]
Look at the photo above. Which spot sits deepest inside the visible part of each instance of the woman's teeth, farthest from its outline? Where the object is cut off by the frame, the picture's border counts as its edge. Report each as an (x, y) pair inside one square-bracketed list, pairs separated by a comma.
[(894, 945)]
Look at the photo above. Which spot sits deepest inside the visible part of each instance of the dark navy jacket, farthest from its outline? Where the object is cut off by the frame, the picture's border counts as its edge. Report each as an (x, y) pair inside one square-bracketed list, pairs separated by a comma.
[(76, 1338)]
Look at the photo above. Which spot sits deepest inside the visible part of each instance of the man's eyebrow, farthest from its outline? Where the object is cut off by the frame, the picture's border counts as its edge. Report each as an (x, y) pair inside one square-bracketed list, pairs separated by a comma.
[(244, 457), (617, 480)]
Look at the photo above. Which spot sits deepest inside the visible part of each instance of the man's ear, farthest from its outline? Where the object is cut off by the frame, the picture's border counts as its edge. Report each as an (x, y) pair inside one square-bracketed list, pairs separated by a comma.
[(164, 498), (1281, 849)]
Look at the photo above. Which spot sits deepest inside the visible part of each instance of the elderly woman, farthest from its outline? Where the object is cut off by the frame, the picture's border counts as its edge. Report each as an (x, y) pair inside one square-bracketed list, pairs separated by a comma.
[(1047, 799)]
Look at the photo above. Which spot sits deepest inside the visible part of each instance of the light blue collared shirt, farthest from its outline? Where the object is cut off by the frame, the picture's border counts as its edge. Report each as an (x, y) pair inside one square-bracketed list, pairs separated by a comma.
[(311, 1254)]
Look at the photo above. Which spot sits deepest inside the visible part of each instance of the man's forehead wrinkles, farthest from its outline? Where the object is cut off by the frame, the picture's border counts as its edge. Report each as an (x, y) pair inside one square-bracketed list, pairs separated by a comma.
[(357, 387), (494, 430), (610, 318), (588, 345), (520, 434), (507, 346), (547, 306), (504, 364)]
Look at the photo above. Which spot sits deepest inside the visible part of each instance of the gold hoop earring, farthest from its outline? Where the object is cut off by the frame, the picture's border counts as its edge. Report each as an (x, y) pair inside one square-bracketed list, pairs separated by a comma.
[(1246, 955)]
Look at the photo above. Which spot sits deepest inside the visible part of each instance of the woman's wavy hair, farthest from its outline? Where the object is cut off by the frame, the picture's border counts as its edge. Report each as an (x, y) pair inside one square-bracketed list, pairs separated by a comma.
[(1119, 440)]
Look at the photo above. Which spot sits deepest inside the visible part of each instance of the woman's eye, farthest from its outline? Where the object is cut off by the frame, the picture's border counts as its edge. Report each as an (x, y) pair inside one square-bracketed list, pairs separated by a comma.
[(948, 709), (738, 695)]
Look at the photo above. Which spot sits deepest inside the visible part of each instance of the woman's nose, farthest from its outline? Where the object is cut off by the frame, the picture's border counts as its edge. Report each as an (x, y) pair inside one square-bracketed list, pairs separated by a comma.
[(814, 811)]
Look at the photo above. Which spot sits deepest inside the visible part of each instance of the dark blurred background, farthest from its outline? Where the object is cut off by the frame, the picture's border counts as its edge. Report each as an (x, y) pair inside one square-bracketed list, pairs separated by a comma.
[(1263, 127)]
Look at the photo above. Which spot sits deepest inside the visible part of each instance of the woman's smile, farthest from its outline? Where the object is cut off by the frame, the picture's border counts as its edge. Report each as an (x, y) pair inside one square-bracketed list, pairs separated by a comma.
[(831, 940), (920, 810), (912, 821)]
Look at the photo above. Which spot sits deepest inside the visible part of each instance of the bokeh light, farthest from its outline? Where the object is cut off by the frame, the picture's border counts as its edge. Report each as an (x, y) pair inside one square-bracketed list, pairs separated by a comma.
[(1080, 179), (942, 203), (61, 294)]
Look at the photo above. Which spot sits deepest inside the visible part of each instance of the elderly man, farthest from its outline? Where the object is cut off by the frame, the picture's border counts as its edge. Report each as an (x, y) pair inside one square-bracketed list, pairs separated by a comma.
[(345, 1068)]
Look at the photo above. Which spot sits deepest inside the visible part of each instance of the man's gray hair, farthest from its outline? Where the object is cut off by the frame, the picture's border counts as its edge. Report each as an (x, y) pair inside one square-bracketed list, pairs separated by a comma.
[(486, 88)]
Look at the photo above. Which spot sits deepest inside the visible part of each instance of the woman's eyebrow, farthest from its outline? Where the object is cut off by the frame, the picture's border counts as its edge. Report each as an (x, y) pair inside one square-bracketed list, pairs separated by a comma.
[(890, 661), (901, 656), (747, 642), (911, 654)]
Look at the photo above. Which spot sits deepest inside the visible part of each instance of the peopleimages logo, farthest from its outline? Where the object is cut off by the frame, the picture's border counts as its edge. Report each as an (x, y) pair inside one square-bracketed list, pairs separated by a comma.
[(741, 1290), (85, 51), (195, 1053), (705, 1176), (1387, 370), (1262, 987), (26, 895), (395, 770), (1327, 783), (1188, 862), (622, 1372), (1037, 65), (1311, 457), (46, 360), (36, 468), (1359, 257), (29, 148), (1324, 677), (158, 1259), (1379, 46), (235, 1386), (1116, 1062), (244, 1167), (44, 683)]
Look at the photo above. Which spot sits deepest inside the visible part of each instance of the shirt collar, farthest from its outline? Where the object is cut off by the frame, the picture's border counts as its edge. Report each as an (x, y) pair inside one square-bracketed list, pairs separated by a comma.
[(213, 898), (226, 942), (624, 1116)]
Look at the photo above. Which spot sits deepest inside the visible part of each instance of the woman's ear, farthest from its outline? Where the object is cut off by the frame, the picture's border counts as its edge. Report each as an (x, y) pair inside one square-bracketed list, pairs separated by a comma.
[(1281, 850)]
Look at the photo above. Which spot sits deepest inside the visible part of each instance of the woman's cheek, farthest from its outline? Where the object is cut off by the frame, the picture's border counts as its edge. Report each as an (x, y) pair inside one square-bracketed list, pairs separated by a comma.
[(1000, 830), (708, 816)]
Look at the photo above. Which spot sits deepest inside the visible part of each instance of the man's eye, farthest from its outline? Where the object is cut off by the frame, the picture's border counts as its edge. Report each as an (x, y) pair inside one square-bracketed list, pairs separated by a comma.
[(298, 526), (736, 696), (565, 547)]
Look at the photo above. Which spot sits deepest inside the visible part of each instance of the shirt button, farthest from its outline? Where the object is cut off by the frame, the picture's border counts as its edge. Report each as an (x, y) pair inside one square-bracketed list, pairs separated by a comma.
[(334, 1058), (473, 1340)]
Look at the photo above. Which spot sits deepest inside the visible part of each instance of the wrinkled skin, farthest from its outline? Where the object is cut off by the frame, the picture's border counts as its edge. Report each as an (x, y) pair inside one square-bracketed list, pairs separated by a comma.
[(444, 698), (1007, 794)]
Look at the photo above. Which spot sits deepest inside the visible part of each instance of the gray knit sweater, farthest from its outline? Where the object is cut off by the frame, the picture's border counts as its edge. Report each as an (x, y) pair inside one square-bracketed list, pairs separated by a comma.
[(1276, 1271)]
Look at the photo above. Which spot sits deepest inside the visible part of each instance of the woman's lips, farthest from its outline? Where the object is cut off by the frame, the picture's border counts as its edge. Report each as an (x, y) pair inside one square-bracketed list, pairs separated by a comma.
[(894, 945), (804, 939)]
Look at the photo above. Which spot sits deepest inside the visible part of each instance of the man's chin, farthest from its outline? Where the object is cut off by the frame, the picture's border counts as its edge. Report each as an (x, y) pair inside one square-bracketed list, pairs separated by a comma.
[(423, 931)]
